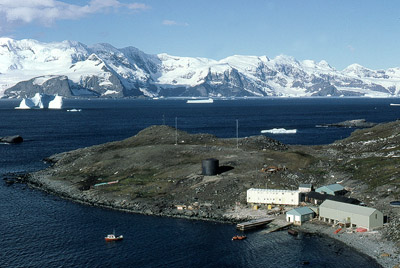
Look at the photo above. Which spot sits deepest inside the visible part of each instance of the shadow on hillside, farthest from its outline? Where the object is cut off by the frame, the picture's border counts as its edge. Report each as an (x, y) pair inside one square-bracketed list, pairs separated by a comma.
[(223, 169)]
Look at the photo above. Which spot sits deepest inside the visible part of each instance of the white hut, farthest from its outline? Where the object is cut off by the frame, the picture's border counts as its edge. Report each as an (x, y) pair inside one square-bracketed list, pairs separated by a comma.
[(299, 215)]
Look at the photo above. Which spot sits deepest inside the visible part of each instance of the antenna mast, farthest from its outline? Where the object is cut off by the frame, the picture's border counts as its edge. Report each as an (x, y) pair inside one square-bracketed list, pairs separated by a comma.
[(237, 134), (176, 130)]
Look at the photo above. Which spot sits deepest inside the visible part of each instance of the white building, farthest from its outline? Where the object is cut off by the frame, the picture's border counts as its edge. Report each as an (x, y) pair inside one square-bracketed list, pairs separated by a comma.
[(357, 216), (273, 196), (299, 215), (305, 188)]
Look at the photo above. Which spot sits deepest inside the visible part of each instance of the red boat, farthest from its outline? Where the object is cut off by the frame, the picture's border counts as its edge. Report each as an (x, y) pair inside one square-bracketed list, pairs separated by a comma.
[(112, 237), (239, 237)]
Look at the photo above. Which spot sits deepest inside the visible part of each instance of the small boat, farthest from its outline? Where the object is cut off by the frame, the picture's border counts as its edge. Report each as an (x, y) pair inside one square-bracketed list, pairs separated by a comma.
[(395, 104), (239, 237), (337, 231), (292, 232), (113, 237)]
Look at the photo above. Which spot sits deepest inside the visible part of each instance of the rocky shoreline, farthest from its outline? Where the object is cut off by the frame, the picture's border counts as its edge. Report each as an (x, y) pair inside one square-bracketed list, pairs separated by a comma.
[(68, 191), (355, 123), (373, 244)]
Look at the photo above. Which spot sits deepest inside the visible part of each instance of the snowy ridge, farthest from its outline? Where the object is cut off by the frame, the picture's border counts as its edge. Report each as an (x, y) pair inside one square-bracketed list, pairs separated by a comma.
[(73, 69)]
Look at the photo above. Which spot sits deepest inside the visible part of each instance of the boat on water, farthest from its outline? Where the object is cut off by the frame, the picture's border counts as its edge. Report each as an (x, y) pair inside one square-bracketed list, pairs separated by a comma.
[(210, 100), (239, 237), (292, 232), (113, 237), (395, 104)]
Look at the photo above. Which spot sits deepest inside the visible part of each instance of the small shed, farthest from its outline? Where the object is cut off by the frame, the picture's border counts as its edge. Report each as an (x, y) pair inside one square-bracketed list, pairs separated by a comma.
[(332, 189), (299, 215), (305, 188)]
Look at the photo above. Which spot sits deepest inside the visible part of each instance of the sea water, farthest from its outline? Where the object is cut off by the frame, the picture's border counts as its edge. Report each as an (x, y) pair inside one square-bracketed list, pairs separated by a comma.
[(41, 230)]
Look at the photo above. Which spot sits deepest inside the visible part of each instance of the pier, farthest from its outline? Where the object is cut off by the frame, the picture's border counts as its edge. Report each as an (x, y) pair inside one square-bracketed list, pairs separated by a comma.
[(277, 225), (253, 223)]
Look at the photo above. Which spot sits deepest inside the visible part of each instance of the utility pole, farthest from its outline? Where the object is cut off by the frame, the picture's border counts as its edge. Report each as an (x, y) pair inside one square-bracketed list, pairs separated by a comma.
[(176, 130), (237, 134)]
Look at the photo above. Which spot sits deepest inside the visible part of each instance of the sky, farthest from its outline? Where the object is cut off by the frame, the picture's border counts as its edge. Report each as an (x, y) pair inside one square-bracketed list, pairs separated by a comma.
[(366, 32)]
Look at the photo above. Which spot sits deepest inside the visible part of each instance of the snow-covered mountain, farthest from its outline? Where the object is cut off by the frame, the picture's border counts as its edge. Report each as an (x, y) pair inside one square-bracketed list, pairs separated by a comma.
[(73, 69)]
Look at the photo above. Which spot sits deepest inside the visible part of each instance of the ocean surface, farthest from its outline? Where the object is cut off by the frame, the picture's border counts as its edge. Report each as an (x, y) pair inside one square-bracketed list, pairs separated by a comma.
[(41, 230)]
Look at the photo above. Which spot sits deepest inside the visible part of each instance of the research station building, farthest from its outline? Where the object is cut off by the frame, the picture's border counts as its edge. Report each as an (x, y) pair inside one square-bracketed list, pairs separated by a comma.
[(357, 216), (273, 196), (299, 215), (332, 189)]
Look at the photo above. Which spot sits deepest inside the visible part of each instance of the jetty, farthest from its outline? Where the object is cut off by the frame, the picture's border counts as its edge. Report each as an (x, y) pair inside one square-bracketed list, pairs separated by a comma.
[(277, 225), (254, 223)]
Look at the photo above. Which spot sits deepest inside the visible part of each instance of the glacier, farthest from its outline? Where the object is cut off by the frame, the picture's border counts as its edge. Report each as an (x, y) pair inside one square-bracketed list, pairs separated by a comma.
[(72, 69), (41, 101)]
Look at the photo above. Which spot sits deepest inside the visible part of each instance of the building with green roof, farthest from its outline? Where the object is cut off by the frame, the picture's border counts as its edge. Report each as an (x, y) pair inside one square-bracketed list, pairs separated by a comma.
[(299, 215), (332, 189)]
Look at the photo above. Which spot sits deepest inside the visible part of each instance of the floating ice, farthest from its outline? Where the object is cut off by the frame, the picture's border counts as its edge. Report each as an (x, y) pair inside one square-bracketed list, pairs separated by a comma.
[(56, 103), (41, 101), (280, 131)]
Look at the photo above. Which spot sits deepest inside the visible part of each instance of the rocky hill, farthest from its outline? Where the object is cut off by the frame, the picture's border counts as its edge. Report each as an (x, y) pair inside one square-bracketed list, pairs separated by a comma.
[(151, 174), (73, 69)]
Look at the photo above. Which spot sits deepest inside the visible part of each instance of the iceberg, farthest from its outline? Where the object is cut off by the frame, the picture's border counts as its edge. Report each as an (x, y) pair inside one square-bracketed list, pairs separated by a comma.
[(41, 101), (280, 131), (74, 110), (210, 100), (56, 103)]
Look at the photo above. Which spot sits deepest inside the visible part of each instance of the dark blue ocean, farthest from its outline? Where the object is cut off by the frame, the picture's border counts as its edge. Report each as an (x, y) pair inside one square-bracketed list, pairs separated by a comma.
[(41, 230)]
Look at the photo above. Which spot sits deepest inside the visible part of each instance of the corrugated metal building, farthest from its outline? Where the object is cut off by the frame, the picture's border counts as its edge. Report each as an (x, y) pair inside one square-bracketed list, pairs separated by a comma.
[(357, 216), (332, 189), (299, 215), (273, 196)]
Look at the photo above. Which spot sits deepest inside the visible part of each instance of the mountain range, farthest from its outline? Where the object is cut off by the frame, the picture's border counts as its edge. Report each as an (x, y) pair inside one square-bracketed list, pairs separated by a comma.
[(72, 69)]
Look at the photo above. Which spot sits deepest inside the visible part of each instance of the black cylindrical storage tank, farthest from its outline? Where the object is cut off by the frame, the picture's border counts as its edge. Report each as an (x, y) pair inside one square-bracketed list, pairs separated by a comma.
[(210, 167)]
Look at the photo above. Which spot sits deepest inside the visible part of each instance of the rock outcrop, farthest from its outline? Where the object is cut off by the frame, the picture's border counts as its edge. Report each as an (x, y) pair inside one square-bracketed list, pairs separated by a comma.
[(12, 139)]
